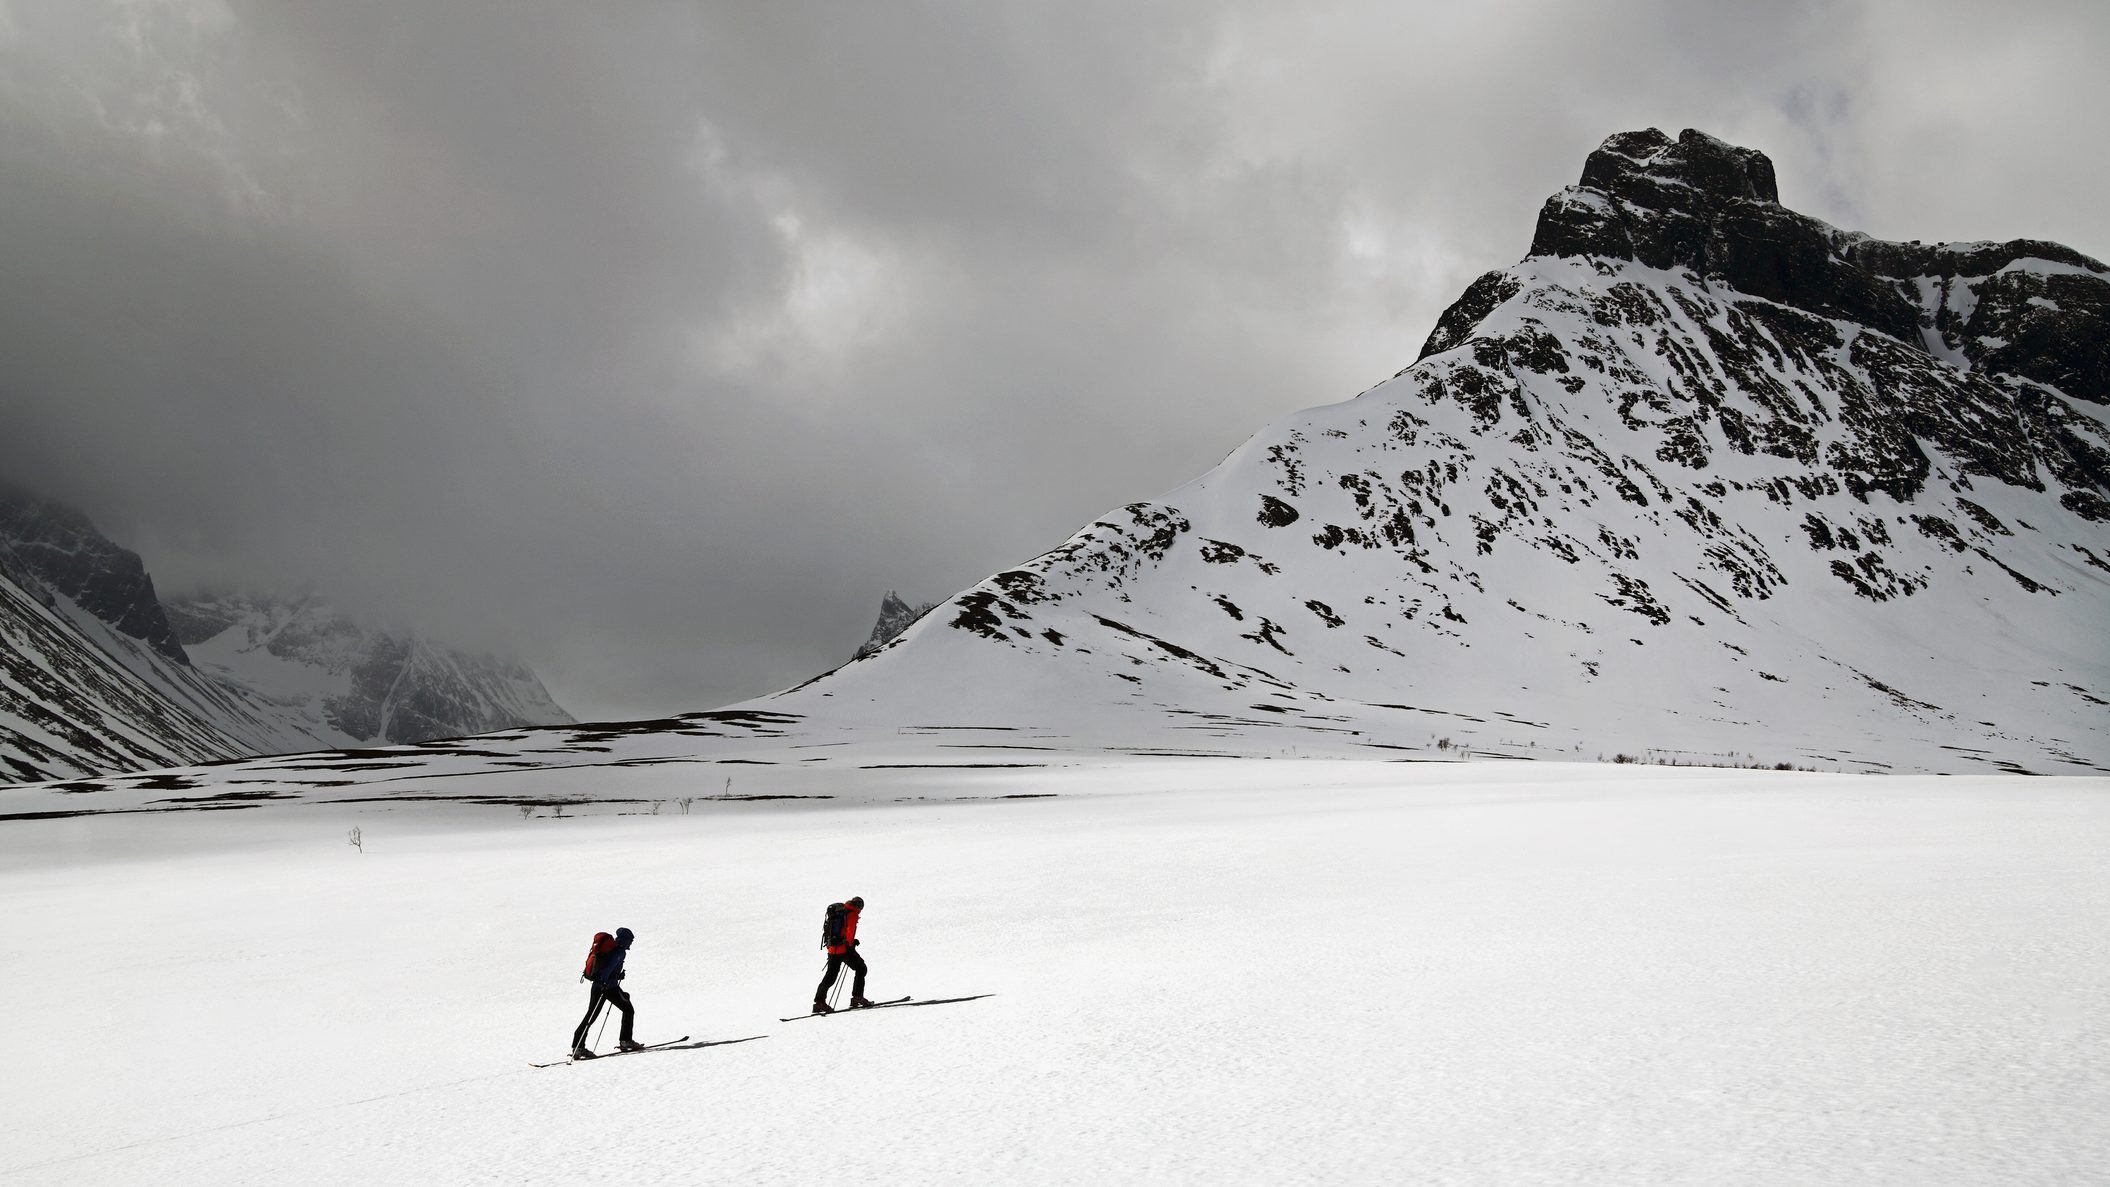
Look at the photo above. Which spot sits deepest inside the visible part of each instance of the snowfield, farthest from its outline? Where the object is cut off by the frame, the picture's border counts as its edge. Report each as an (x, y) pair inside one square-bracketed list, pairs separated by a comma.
[(1205, 971)]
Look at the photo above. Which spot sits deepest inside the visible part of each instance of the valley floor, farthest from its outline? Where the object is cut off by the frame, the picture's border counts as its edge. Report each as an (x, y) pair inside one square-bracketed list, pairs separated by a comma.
[(1221, 971)]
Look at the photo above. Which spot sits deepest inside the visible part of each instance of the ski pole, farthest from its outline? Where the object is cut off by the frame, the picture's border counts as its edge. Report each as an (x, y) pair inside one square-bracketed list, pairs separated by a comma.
[(604, 1025)]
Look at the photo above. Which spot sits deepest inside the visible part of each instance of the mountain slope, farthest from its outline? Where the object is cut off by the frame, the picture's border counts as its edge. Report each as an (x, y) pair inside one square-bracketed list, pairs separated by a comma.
[(102, 593), (270, 676), (67, 708), (1701, 476)]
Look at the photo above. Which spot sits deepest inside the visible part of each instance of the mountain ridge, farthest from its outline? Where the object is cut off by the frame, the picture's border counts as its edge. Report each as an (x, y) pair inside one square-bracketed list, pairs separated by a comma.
[(102, 674), (1774, 450)]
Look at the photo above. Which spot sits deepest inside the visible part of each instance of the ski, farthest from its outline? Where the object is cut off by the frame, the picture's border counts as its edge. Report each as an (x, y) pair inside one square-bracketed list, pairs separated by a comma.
[(899, 1001), (851, 1009), (613, 1054)]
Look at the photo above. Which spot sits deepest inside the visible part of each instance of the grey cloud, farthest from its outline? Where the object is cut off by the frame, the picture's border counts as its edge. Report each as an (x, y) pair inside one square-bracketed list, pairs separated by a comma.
[(657, 341)]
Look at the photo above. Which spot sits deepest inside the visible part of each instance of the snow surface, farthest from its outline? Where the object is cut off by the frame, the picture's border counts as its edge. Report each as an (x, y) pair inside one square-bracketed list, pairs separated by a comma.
[(1203, 971)]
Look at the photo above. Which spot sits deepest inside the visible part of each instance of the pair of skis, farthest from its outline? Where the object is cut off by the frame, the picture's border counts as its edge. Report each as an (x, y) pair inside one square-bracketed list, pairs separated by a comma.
[(893, 1001), (675, 1044), (899, 1001), (669, 1045)]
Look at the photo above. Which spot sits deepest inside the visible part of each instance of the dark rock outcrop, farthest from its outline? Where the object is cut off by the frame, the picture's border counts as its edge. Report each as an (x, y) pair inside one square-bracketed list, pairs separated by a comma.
[(895, 616), (2036, 310), (53, 545)]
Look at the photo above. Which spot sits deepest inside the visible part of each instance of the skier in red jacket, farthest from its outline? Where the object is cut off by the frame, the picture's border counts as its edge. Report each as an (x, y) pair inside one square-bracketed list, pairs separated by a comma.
[(839, 937)]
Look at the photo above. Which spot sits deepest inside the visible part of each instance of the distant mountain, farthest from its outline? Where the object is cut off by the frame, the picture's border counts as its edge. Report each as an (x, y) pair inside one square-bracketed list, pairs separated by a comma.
[(102, 592), (1701, 478), (357, 681), (895, 616), (97, 678)]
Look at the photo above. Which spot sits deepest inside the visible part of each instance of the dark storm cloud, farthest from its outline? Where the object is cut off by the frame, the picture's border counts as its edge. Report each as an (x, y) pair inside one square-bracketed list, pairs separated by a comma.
[(656, 341)]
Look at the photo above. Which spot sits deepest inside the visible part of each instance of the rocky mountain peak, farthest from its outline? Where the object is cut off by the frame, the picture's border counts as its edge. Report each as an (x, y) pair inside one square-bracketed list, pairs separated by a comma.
[(2024, 308), (56, 547), (1651, 169), (895, 616), (1701, 473), (1701, 204)]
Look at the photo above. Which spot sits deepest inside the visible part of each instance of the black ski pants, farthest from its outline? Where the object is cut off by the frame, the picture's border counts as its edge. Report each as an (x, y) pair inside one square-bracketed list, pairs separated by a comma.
[(615, 996), (836, 962)]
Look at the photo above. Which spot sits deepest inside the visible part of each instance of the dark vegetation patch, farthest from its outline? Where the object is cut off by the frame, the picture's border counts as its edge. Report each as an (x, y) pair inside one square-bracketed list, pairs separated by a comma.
[(1898, 698), (978, 614), (228, 796), (62, 813), (1266, 633)]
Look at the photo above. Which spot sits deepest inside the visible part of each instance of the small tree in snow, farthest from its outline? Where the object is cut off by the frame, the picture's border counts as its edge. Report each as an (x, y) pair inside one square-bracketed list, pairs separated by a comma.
[(355, 839)]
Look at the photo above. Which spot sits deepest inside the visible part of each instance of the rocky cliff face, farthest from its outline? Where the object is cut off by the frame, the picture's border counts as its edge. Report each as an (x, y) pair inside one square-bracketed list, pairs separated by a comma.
[(895, 616), (1701, 477), (55, 547)]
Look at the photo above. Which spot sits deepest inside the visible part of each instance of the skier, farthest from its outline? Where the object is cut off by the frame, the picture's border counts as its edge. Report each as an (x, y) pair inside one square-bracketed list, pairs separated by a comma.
[(839, 937), (607, 971)]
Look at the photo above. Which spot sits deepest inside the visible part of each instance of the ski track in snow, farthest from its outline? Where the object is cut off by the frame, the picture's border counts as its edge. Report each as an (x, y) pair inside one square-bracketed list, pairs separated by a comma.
[(1200, 971)]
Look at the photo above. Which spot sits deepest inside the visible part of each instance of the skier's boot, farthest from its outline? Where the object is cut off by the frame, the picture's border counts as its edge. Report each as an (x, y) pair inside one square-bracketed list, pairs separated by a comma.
[(858, 1003), (821, 1007), (581, 1053), (629, 1045)]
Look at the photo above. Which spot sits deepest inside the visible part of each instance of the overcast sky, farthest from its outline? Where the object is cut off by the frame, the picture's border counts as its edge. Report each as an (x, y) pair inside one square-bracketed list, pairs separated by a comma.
[(654, 342)]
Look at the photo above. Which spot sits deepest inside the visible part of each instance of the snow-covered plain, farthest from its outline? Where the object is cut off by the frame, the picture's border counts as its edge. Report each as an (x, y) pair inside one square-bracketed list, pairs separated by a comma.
[(1248, 971)]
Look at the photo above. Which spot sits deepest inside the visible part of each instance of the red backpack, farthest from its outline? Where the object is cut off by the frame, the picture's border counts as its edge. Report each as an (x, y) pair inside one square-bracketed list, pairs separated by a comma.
[(602, 945)]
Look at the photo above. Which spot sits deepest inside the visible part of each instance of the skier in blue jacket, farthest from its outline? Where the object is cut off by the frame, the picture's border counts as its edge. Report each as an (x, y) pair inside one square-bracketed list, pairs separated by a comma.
[(608, 970)]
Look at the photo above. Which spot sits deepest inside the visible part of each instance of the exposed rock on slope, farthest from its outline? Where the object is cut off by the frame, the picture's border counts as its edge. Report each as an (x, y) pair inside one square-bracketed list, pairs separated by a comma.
[(895, 616), (56, 547), (1700, 476)]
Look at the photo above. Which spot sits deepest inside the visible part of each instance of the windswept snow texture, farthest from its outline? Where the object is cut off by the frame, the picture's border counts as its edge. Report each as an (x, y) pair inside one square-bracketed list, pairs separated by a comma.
[(1701, 479), (1202, 972)]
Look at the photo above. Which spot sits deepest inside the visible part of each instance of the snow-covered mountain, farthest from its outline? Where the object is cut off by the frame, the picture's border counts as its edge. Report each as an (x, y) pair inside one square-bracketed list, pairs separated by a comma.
[(69, 708), (352, 681), (96, 677), (1700, 478), (100, 594), (895, 616)]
